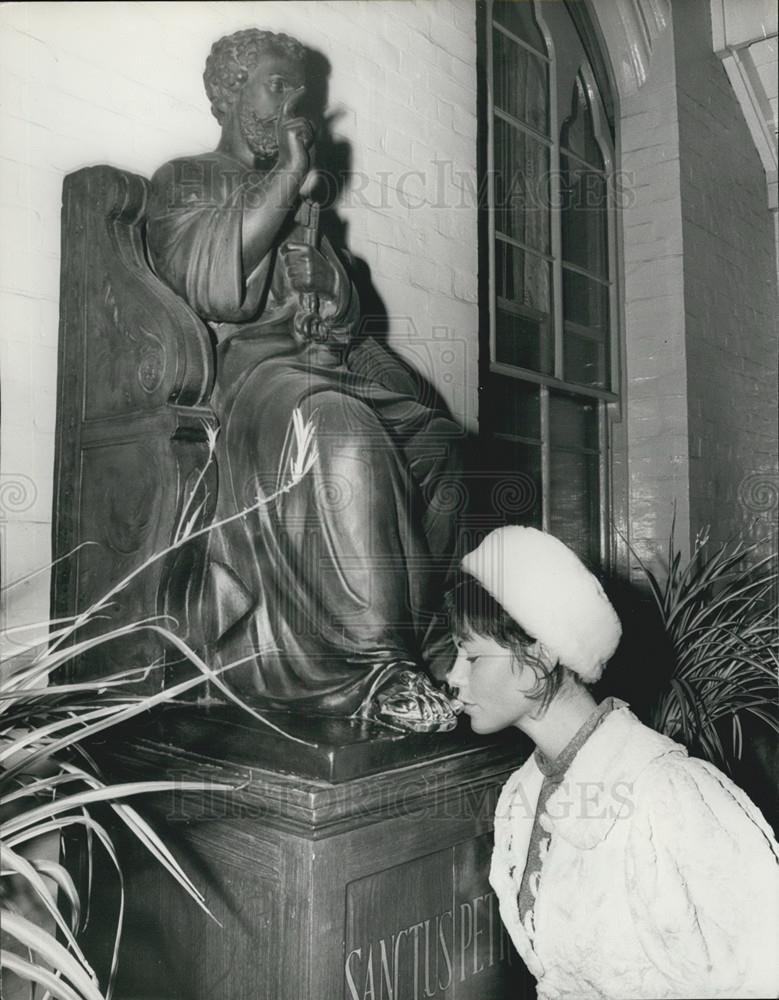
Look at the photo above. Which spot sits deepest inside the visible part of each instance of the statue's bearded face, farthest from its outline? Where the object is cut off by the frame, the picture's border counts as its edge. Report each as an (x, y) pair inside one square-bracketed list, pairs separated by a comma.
[(270, 83)]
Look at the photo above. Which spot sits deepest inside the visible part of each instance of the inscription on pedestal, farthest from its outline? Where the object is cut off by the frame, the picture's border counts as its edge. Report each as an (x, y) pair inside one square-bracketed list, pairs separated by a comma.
[(428, 929)]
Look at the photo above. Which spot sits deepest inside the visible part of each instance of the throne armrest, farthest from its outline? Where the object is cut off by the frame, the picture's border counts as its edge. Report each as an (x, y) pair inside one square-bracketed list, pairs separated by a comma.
[(145, 346)]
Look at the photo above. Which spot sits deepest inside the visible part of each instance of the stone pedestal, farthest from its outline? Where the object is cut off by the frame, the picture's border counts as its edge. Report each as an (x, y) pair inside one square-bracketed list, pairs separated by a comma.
[(352, 867)]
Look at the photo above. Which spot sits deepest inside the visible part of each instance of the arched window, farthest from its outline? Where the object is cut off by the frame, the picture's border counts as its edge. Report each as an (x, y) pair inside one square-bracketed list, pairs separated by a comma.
[(550, 318)]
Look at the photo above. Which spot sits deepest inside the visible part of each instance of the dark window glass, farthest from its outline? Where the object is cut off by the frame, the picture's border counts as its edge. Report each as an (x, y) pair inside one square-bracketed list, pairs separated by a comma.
[(523, 328), (515, 407), (574, 502), (574, 483), (518, 17), (577, 134), (552, 277), (523, 341), (585, 360), (585, 301), (522, 277), (573, 422), (520, 83), (521, 186), (584, 217), (515, 496), (586, 330)]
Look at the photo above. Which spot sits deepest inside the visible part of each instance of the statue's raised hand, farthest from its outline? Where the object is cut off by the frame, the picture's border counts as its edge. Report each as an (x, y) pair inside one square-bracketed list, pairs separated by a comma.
[(295, 136)]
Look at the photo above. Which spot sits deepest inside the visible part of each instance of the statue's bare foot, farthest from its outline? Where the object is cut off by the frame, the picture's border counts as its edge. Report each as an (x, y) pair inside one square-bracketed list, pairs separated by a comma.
[(412, 702)]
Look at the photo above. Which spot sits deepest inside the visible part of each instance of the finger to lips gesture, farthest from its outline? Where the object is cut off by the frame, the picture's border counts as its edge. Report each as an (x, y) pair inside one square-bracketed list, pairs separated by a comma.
[(295, 134)]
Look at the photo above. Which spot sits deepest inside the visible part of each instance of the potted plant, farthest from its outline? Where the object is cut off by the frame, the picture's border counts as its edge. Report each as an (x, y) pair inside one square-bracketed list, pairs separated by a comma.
[(721, 622), (49, 784)]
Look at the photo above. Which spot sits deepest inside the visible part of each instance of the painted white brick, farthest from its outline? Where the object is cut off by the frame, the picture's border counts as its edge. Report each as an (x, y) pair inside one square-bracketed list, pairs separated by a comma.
[(465, 285), (464, 121), (464, 17), (86, 101), (383, 228), (397, 145), (461, 45)]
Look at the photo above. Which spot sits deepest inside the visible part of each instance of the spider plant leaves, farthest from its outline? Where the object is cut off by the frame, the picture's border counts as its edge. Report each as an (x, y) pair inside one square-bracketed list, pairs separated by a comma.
[(61, 877), (45, 719), (34, 973), (104, 794), (15, 864), (46, 946), (719, 612), (92, 828), (144, 832)]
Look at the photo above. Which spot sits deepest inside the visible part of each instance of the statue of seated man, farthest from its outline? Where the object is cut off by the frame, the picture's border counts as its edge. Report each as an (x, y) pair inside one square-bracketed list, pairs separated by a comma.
[(327, 599)]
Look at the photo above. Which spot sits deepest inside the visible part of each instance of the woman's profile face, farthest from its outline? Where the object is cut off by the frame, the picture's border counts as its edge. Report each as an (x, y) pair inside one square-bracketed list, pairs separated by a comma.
[(491, 684)]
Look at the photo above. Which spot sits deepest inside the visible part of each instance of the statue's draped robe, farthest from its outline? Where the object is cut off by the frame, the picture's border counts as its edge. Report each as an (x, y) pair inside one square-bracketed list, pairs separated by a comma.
[(332, 588)]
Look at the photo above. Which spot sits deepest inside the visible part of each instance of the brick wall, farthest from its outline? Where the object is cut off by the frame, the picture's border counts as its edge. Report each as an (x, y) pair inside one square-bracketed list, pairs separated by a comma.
[(700, 300), (655, 381), (121, 84), (730, 296)]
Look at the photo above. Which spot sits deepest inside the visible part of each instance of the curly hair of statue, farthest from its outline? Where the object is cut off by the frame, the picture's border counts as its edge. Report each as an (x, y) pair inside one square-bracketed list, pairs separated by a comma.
[(234, 56)]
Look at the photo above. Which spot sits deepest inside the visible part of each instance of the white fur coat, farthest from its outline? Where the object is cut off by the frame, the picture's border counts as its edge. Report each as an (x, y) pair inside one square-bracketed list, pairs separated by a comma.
[(661, 878)]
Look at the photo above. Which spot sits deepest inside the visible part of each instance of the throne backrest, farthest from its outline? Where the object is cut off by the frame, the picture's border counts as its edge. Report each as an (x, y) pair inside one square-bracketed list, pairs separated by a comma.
[(136, 368)]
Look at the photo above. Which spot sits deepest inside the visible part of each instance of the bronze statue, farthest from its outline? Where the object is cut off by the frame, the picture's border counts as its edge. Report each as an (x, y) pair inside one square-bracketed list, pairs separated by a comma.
[(330, 596)]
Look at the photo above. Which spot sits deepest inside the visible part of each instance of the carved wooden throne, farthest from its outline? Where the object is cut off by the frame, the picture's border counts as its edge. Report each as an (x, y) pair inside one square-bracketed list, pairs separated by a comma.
[(136, 369)]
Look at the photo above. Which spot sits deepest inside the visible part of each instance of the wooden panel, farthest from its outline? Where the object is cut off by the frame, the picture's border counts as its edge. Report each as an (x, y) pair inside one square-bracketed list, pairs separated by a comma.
[(399, 931), (487, 966), (321, 886), (429, 928), (135, 368)]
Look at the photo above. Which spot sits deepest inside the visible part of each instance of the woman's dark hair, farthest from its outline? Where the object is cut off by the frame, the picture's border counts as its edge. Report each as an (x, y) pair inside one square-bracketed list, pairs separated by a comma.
[(474, 611)]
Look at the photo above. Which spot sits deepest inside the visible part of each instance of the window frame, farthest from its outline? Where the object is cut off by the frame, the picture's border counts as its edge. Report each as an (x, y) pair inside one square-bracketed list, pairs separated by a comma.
[(609, 400)]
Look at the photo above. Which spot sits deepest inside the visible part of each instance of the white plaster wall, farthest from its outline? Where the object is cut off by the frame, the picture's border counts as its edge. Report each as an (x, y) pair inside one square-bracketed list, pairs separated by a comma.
[(120, 83)]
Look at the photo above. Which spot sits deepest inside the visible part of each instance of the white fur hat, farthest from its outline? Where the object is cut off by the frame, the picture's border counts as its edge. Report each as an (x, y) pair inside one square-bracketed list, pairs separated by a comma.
[(547, 590)]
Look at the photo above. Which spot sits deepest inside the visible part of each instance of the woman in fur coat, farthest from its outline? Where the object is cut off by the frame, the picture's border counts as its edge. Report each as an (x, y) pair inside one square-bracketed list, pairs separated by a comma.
[(623, 867)]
